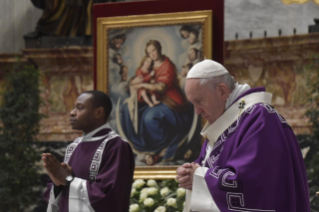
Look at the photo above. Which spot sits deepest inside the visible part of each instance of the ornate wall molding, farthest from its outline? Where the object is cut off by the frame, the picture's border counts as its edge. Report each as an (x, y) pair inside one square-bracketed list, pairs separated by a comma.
[(299, 1), (64, 60)]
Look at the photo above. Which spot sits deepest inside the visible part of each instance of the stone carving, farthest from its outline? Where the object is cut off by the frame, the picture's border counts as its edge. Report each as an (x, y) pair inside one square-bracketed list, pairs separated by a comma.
[(63, 23)]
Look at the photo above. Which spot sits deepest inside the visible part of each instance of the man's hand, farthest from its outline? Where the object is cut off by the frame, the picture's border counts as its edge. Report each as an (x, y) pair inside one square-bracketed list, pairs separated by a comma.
[(185, 175), (56, 170)]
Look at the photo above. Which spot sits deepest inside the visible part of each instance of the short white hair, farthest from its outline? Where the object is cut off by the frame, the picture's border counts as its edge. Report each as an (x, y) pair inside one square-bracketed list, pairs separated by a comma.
[(226, 79)]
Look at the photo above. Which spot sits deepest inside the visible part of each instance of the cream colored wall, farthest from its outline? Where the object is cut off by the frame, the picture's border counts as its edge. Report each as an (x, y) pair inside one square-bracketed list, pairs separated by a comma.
[(17, 17), (256, 16)]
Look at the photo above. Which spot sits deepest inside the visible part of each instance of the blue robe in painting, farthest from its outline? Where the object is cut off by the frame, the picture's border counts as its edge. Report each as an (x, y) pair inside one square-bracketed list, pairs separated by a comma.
[(159, 127)]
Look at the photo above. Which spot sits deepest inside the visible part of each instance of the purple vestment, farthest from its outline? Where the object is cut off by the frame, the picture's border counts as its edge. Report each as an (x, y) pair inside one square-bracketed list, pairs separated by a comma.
[(104, 164), (257, 165)]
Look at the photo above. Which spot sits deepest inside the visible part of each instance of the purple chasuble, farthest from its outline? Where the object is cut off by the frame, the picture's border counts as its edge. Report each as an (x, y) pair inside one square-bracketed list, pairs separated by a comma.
[(257, 165), (108, 176)]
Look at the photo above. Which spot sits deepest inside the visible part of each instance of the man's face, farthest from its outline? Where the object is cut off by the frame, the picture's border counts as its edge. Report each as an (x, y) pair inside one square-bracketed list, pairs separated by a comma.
[(149, 160), (192, 38), (124, 76), (192, 55), (82, 116), (125, 70), (184, 72), (119, 59), (207, 102), (118, 43), (185, 33)]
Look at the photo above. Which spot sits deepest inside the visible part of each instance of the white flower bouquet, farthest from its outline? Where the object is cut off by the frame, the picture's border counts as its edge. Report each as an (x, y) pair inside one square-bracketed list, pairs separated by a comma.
[(156, 196)]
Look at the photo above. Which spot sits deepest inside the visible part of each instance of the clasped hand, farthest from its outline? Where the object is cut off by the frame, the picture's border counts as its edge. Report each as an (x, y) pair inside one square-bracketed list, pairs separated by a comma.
[(56, 170), (185, 175)]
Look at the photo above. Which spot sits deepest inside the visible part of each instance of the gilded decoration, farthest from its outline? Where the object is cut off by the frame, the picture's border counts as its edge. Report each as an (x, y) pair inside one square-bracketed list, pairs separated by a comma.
[(299, 1), (125, 52)]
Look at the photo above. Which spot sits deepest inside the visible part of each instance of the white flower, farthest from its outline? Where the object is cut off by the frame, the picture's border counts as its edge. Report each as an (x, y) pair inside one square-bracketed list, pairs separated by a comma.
[(172, 202), (152, 191), (164, 191), (148, 202), (133, 192), (134, 208), (143, 196), (181, 192), (160, 209), (151, 183), (138, 183), (144, 190)]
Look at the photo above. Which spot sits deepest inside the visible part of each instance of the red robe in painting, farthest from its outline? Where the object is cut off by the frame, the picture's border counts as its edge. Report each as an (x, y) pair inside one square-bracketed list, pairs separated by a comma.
[(172, 95), (166, 74)]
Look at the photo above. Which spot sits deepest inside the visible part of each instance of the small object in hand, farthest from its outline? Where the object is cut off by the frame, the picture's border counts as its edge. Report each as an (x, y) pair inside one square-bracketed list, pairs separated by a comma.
[(317, 193)]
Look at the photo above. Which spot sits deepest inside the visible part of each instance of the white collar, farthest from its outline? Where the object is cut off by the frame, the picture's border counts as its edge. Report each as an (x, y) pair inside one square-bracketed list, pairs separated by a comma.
[(214, 130), (238, 90), (89, 136)]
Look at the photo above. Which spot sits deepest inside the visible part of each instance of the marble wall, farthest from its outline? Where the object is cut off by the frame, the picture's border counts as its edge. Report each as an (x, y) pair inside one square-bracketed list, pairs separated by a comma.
[(279, 64), (66, 73), (282, 65), (241, 16)]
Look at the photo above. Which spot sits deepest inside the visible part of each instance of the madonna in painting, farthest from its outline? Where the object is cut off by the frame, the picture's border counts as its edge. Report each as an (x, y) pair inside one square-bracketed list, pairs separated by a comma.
[(157, 117)]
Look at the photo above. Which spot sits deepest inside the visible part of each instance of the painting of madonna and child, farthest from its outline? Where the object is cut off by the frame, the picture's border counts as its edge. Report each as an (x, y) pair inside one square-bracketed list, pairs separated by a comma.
[(147, 67)]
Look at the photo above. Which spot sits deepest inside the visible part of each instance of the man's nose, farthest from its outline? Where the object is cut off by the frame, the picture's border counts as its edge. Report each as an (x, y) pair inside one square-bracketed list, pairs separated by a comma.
[(198, 110), (73, 112)]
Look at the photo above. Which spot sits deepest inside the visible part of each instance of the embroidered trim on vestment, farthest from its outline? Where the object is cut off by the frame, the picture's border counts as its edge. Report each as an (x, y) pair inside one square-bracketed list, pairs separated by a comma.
[(97, 158), (70, 149), (235, 202)]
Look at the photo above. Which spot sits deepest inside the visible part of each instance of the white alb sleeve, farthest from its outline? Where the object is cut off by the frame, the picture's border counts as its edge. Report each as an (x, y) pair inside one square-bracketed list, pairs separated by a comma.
[(54, 202), (201, 199), (187, 206), (78, 197)]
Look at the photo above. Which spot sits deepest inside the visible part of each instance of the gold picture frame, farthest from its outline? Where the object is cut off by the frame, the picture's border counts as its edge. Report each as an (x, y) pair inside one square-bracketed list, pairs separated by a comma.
[(105, 28)]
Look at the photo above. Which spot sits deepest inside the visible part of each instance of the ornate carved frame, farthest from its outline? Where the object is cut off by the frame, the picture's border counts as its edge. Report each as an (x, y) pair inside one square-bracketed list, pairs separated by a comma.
[(124, 22)]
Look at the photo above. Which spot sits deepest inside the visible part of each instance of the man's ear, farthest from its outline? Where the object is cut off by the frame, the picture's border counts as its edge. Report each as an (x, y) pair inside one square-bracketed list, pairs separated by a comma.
[(223, 91), (99, 112)]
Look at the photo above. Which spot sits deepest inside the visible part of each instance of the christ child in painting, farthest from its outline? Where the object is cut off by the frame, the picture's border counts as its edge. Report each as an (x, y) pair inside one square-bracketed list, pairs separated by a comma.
[(146, 71)]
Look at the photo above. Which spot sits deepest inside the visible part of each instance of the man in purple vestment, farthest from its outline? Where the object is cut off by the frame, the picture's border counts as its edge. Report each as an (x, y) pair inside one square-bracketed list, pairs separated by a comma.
[(98, 168), (251, 160)]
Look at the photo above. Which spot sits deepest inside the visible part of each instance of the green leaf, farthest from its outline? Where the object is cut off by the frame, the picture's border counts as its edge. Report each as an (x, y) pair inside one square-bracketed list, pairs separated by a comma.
[(19, 106)]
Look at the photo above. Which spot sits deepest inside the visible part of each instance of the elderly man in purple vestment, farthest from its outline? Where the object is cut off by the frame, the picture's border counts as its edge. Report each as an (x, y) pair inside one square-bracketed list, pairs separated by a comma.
[(98, 167), (251, 160)]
